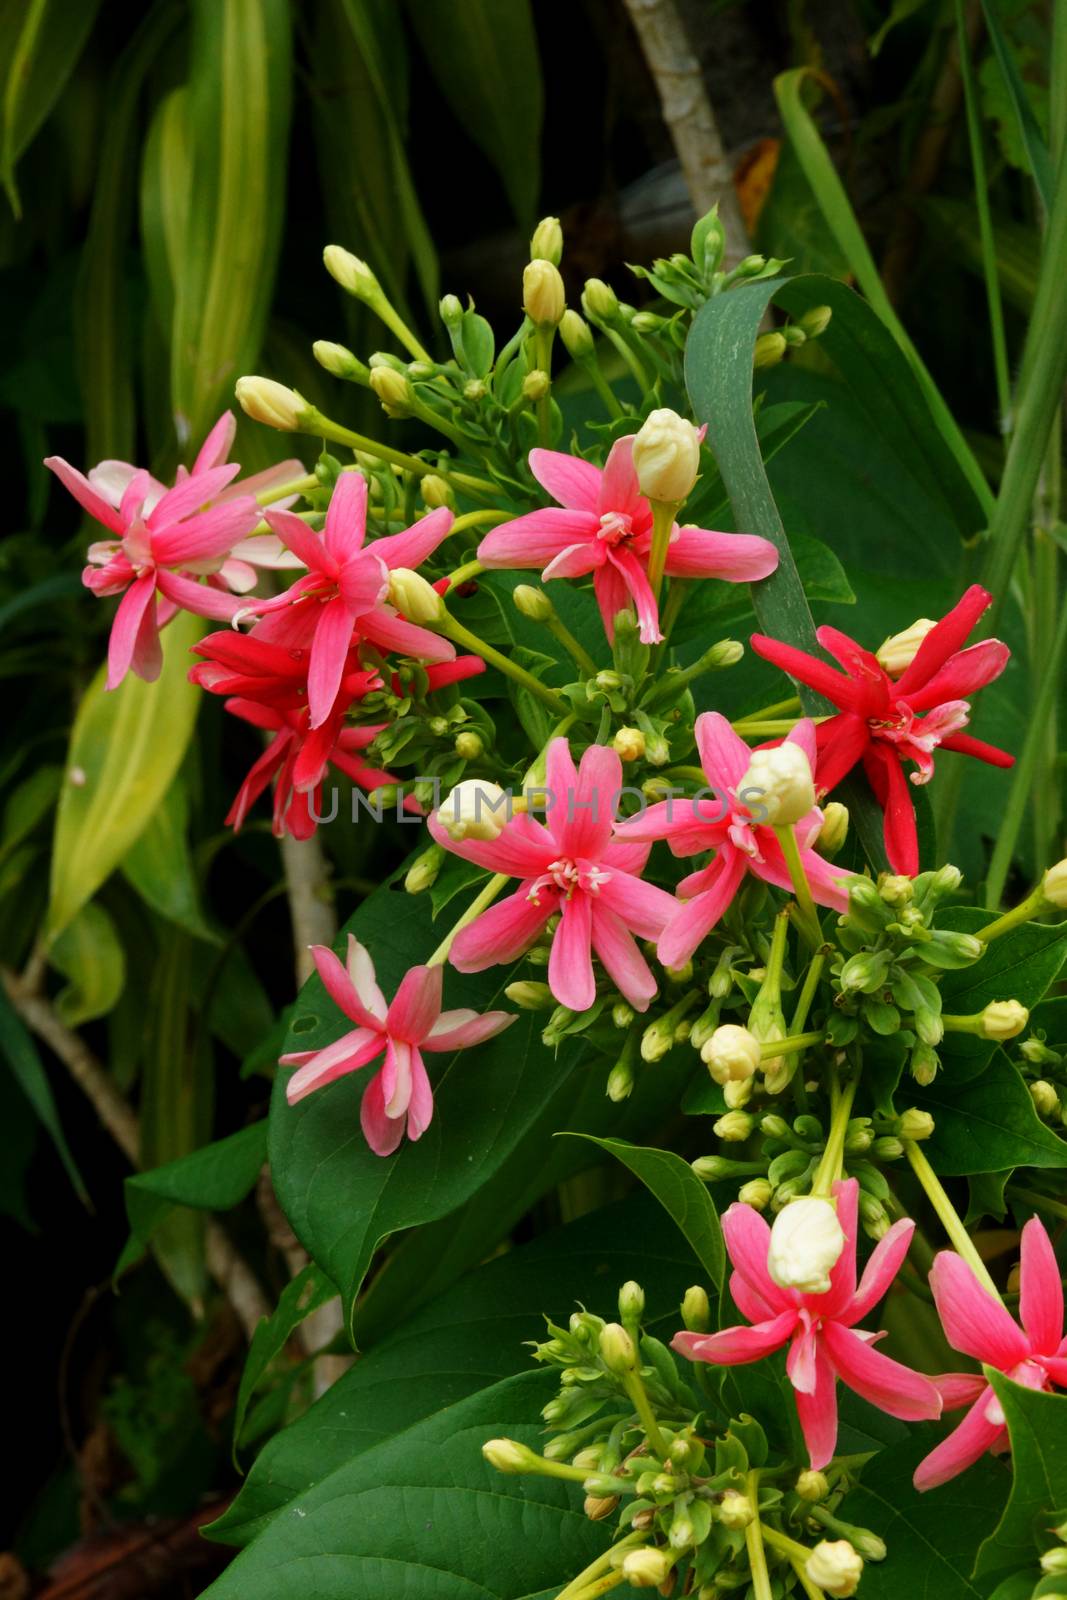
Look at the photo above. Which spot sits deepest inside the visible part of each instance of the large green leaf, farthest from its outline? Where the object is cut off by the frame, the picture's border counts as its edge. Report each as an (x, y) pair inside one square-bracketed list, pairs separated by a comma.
[(341, 1199), (1020, 965), (682, 1195), (42, 42), (987, 1123), (485, 59), (423, 1516), (214, 1178), (464, 1340), (932, 1538), (238, 108), (1037, 1428), (90, 956), (125, 748)]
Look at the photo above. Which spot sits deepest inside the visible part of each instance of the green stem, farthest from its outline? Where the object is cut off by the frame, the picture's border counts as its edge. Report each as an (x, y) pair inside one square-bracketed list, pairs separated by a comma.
[(454, 630), (479, 519), (791, 1046), (1051, 661), (829, 1168), (1040, 387), (463, 574), (663, 514), (1034, 903), (281, 491), (802, 889), (313, 422), (484, 898), (948, 1216), (591, 365), (610, 1580), (543, 346), (671, 607), (807, 993), (578, 653), (754, 1536), (597, 1568), (643, 1406), (797, 1555)]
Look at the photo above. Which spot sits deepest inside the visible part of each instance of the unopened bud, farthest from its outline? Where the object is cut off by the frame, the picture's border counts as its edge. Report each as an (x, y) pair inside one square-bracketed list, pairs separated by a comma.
[(340, 362), (577, 336), (536, 384), (731, 1054), (834, 828), (507, 1455), (1046, 1100), (629, 744), (812, 1486), (451, 310), (647, 1568), (547, 241), (622, 1014), (924, 1064), (873, 1215), (533, 603), (916, 1124), (666, 456), (816, 321), (530, 996), (696, 1310), (422, 873), (271, 403), (631, 1302), (1054, 885), (476, 389), (351, 273), (770, 348), (600, 302), (735, 1509), (734, 1127), (781, 779), (806, 1242), (620, 1085), (896, 654), (1004, 1019), (474, 809), (544, 298), (469, 745), (597, 1507), (1054, 1562), (836, 1567), (393, 389), (414, 597), (617, 1350), (436, 492), (757, 1193), (887, 1149)]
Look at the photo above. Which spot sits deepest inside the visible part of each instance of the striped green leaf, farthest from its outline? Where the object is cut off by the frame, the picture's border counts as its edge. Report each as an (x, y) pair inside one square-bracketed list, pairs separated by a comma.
[(42, 41)]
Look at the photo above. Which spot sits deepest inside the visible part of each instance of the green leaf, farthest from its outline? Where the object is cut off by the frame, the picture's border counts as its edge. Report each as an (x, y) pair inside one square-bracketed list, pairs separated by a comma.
[(27, 1068), (303, 1295), (216, 1178), (987, 1123), (160, 867), (464, 1340), (1037, 1428), (681, 1194), (125, 749), (830, 193), (341, 1199), (1020, 965), (32, 800), (485, 59), (425, 1517), (238, 109), (1037, 152), (46, 38), (88, 953), (932, 1538)]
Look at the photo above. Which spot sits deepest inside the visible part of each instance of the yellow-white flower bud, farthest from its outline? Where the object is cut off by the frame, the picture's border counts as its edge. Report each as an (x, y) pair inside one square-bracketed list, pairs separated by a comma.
[(834, 828), (474, 809), (272, 403), (666, 455), (769, 350), (1004, 1019), (897, 653), (696, 1309), (544, 298), (507, 1455), (734, 1127), (576, 335), (469, 745), (647, 1568), (599, 301), (1046, 1100), (1054, 885), (812, 1486), (757, 1193), (533, 603), (351, 273), (547, 241), (735, 1509), (536, 384), (780, 781), (806, 1241), (339, 361), (393, 390), (835, 1567), (616, 1349), (916, 1124), (629, 744), (732, 1054), (414, 597), (436, 492)]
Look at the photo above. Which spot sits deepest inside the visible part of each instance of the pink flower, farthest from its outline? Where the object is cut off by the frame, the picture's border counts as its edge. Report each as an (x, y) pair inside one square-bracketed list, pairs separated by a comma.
[(820, 1329), (1034, 1355), (741, 845), (165, 549), (346, 588), (605, 527), (399, 1097), (572, 865)]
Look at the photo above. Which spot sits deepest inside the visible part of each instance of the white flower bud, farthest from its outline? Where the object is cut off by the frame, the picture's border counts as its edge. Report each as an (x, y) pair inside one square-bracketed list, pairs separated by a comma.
[(544, 298), (835, 1567), (733, 1127), (1046, 1100), (507, 1455), (756, 1193), (781, 781), (339, 361), (414, 597), (834, 828), (806, 1242), (629, 744), (529, 996), (1003, 1019), (897, 653), (351, 273), (735, 1510), (732, 1054), (812, 1485), (272, 403), (576, 335), (547, 241), (646, 1568), (1054, 885), (474, 809), (666, 455), (393, 389), (916, 1124)]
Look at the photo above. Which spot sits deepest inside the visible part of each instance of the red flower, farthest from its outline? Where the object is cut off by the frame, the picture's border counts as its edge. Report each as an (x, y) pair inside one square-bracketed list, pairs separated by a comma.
[(884, 721)]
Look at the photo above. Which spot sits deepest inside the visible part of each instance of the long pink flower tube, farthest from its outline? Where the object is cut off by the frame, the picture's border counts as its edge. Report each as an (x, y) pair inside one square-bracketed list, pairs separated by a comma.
[(398, 1098), (820, 1329)]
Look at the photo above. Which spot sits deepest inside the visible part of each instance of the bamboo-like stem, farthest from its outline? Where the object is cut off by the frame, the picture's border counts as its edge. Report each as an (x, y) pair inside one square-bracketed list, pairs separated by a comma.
[(484, 898), (948, 1216), (454, 630), (757, 1555)]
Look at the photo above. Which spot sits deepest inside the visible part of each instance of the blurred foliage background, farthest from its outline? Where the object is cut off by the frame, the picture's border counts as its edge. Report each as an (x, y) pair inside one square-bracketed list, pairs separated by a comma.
[(172, 172)]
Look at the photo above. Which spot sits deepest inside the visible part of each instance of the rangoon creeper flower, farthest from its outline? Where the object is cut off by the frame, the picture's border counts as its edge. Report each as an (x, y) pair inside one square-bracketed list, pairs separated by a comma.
[(1034, 1354), (603, 526), (820, 1329), (571, 865), (399, 1098), (835, 1567), (782, 778), (806, 1243), (884, 721), (346, 589), (666, 456), (728, 827)]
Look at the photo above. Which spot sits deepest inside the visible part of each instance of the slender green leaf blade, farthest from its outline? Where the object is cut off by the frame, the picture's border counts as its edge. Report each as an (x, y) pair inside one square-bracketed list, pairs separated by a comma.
[(27, 1068)]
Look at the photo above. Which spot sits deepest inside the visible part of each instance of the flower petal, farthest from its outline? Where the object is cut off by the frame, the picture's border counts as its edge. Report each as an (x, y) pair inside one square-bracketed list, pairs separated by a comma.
[(385, 628), (843, 1273), (535, 539), (360, 968), (90, 499), (522, 849), (817, 1411), (944, 640), (347, 1054), (570, 964), (503, 932), (748, 1241), (643, 907), (974, 1323), (735, 1347), (640, 590), (411, 546), (416, 1005), (974, 1436), (724, 755), (382, 1132), (619, 488), (692, 922), (623, 961), (568, 479), (612, 595), (333, 636), (962, 674), (125, 642), (462, 1029), (735, 557), (1041, 1291), (346, 517), (884, 1264), (887, 1384), (584, 814), (420, 1105), (837, 688)]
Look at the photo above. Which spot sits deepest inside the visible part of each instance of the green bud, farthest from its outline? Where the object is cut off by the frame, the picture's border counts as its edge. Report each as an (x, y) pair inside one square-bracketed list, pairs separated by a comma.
[(533, 603), (536, 384), (757, 1193), (469, 745), (631, 1302), (475, 389), (600, 302), (774, 1126), (622, 1014), (770, 348), (340, 362), (577, 336), (616, 1350), (734, 1127), (436, 492), (422, 873), (916, 1124), (547, 241), (924, 1064), (620, 1083), (507, 1455), (873, 1215), (451, 310), (887, 1149), (735, 1510), (866, 972), (816, 321), (696, 1310), (529, 996), (812, 1486)]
